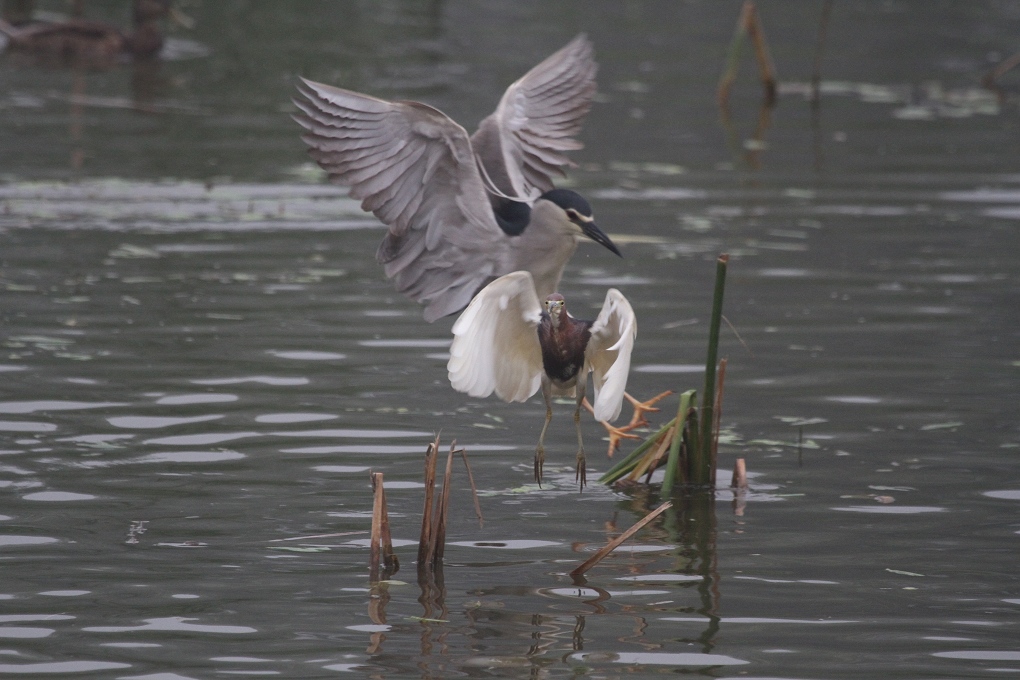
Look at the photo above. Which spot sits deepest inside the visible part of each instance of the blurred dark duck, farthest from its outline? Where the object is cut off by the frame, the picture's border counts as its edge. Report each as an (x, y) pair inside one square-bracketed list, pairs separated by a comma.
[(77, 40)]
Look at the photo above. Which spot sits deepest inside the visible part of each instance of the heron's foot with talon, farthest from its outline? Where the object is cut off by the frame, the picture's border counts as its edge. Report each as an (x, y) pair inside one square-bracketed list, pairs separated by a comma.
[(581, 474), (616, 435), (643, 407)]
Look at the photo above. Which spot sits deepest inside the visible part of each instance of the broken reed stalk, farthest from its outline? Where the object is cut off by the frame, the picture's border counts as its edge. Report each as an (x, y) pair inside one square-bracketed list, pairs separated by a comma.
[(373, 546), (615, 543), (434, 516), (702, 472), (425, 538), (390, 561), (739, 480), (749, 23), (647, 464), (438, 545), (381, 540), (729, 73), (766, 68)]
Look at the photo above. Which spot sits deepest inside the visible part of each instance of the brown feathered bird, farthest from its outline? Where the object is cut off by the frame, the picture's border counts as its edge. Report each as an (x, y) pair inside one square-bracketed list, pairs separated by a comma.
[(509, 343), (94, 43)]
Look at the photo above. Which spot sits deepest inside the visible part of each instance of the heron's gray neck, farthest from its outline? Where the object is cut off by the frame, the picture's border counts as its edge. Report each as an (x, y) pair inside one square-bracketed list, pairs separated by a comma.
[(543, 248)]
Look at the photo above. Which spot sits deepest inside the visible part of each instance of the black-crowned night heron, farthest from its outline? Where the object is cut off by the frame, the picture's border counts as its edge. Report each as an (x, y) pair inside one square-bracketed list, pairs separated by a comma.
[(508, 342), (462, 211)]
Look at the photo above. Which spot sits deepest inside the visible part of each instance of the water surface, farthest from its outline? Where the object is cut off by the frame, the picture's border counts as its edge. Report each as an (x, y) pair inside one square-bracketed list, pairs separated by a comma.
[(202, 361)]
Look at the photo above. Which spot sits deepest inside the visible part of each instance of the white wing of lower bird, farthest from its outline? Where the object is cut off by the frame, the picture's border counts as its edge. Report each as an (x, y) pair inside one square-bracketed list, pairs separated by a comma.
[(495, 341), (608, 354)]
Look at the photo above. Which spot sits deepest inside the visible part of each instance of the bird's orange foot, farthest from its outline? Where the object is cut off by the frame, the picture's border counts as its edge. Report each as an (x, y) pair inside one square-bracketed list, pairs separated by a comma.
[(618, 434), (643, 407)]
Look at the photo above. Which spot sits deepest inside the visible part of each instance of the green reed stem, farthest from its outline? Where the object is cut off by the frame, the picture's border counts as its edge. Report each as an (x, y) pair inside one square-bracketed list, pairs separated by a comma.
[(687, 400), (701, 456)]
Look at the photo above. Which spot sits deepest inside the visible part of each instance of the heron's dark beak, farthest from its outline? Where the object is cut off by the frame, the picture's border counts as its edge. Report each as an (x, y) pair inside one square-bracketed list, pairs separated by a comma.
[(591, 230)]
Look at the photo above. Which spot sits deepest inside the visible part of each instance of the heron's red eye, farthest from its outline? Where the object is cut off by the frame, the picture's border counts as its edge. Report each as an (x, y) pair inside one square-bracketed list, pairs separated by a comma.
[(571, 213)]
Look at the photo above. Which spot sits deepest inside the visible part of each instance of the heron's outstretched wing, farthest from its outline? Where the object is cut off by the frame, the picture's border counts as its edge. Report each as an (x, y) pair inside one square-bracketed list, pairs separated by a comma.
[(413, 167), (495, 341), (521, 144), (608, 353)]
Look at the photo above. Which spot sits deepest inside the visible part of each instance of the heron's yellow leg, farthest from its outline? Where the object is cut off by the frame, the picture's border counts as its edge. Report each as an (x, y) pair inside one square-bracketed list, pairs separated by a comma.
[(580, 474)]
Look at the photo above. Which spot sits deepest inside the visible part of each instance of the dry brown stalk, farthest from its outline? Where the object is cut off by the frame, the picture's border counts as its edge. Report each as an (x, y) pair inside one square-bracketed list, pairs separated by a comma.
[(389, 558), (661, 452), (765, 66), (376, 539), (615, 543), (749, 24), (425, 538), (649, 463), (309, 538), (438, 542), (739, 474)]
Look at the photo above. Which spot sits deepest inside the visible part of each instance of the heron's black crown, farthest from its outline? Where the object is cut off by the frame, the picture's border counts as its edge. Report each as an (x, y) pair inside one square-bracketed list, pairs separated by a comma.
[(567, 199)]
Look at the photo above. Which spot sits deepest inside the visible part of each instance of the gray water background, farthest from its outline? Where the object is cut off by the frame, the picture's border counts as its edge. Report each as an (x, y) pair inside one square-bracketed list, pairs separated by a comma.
[(201, 357)]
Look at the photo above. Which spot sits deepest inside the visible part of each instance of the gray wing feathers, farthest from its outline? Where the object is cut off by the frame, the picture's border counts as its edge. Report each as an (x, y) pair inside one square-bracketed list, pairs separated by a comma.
[(413, 168), (537, 119)]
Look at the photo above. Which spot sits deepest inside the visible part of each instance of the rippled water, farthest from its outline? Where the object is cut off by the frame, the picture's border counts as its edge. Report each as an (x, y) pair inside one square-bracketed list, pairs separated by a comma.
[(202, 362)]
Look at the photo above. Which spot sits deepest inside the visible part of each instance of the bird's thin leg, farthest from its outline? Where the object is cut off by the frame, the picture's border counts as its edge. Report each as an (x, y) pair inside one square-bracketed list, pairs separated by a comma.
[(580, 475), (540, 449)]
